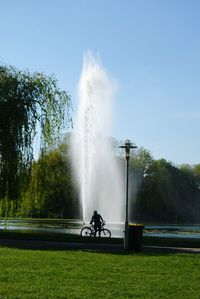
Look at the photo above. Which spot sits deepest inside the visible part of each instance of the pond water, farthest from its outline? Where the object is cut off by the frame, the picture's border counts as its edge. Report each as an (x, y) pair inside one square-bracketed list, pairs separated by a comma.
[(74, 227), (173, 231)]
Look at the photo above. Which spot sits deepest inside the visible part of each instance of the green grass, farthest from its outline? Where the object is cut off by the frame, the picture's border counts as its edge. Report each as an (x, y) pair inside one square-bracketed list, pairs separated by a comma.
[(91, 274)]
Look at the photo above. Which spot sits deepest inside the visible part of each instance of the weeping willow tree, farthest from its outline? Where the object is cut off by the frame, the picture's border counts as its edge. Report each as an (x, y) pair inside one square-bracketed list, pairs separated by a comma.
[(30, 104)]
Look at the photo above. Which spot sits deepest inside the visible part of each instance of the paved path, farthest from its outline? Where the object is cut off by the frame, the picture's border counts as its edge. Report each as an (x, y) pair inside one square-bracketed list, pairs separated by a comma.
[(170, 249), (53, 245)]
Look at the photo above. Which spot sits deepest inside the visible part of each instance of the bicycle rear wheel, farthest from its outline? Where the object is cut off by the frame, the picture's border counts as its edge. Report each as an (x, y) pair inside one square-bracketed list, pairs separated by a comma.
[(86, 232), (105, 233)]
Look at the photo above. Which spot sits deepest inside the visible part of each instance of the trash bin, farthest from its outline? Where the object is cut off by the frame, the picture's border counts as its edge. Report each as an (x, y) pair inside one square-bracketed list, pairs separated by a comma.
[(135, 236)]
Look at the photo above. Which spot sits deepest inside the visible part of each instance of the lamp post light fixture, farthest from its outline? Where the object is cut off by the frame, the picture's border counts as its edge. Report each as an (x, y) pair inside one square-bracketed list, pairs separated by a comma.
[(127, 146)]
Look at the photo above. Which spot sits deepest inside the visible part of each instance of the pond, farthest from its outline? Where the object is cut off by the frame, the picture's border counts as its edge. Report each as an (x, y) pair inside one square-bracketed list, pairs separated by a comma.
[(173, 231), (70, 226)]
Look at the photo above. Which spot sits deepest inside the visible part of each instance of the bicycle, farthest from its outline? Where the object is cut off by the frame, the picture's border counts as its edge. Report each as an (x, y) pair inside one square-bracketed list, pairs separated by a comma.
[(89, 231)]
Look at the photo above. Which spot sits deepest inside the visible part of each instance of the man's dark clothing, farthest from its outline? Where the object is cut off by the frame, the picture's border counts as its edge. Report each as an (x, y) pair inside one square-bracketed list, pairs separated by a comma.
[(97, 219)]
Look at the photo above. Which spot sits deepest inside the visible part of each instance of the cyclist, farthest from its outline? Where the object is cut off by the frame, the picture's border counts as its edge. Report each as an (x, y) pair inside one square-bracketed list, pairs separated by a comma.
[(97, 220)]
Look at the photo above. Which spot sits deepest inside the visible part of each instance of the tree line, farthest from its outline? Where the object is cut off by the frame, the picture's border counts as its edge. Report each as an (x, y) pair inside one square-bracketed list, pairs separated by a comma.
[(30, 103), (166, 193), (160, 192)]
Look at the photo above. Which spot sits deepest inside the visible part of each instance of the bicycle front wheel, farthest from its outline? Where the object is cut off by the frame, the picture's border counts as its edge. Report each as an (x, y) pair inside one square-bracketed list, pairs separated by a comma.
[(105, 233), (86, 232)]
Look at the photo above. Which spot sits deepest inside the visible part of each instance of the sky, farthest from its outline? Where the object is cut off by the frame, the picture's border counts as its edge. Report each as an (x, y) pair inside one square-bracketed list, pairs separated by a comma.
[(151, 48)]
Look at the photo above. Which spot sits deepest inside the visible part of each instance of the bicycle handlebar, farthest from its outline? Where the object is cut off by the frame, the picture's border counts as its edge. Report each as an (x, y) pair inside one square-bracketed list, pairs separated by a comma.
[(102, 223)]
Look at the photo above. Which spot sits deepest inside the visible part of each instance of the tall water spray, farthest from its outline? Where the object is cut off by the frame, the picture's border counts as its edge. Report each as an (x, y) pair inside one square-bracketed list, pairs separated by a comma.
[(98, 175)]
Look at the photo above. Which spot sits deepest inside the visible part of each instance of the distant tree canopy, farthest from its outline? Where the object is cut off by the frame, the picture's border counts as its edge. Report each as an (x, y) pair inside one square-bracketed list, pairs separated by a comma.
[(160, 192), (167, 193), (51, 191), (29, 103)]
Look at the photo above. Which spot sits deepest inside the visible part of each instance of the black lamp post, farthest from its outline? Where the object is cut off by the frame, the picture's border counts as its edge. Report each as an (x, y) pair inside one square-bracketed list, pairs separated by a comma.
[(127, 146)]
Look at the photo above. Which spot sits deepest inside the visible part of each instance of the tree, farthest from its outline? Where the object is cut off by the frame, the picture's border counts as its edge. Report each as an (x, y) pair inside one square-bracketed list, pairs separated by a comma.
[(193, 171), (140, 162), (29, 103), (51, 191), (168, 194)]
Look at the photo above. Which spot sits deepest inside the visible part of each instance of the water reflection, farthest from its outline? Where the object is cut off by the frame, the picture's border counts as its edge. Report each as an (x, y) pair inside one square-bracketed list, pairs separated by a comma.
[(74, 227)]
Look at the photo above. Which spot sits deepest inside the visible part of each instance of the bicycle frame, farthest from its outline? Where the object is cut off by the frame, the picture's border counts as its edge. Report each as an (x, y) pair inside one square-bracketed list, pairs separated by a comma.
[(91, 230)]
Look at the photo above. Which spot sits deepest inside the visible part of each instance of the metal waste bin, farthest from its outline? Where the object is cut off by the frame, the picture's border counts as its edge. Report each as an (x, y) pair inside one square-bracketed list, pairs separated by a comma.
[(135, 237)]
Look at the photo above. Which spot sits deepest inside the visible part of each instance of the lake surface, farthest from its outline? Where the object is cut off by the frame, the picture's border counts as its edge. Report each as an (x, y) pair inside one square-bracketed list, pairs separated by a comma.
[(173, 231), (75, 226)]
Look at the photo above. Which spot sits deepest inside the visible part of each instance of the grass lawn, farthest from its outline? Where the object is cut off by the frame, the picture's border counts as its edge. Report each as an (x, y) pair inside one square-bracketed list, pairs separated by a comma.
[(91, 274)]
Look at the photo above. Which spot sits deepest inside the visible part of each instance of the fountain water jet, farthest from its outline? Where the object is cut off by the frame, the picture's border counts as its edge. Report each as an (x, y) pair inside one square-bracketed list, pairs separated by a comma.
[(95, 167)]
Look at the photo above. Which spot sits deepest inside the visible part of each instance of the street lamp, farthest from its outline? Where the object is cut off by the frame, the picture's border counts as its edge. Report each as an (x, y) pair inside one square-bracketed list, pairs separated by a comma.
[(127, 146)]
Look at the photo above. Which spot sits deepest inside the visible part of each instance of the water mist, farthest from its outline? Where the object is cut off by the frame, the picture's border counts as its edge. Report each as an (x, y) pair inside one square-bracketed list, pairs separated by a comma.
[(95, 166)]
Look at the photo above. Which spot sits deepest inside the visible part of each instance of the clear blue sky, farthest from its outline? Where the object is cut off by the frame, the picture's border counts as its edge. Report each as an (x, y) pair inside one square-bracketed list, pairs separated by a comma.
[(151, 47)]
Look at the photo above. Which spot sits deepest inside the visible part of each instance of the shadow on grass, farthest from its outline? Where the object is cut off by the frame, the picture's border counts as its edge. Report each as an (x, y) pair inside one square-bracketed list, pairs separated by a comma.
[(91, 248), (63, 242)]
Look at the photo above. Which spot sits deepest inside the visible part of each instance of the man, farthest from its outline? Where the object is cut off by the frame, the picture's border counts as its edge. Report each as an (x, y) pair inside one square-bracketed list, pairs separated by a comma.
[(97, 220)]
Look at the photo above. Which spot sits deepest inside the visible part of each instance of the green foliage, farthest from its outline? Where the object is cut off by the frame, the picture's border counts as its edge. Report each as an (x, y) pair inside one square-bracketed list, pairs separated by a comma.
[(141, 160), (161, 192), (51, 192), (68, 275), (168, 194), (29, 103), (8, 208)]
